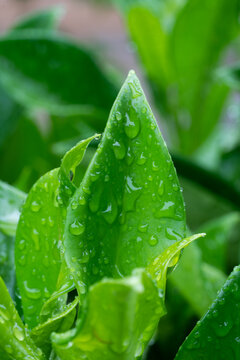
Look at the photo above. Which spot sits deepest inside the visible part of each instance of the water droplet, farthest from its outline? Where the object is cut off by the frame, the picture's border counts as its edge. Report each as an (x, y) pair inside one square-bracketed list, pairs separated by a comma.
[(119, 150), (22, 260), (50, 221), (35, 237), (32, 293), (81, 200), (155, 166), (22, 244), (76, 228), (175, 187), (131, 127), (18, 332), (161, 188), (35, 206), (136, 91), (153, 240), (118, 116), (172, 235), (142, 159), (130, 156), (111, 211), (74, 205), (167, 210), (143, 228), (223, 328)]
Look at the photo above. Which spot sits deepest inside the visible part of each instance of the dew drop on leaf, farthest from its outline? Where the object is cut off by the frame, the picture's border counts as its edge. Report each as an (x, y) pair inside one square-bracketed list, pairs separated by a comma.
[(35, 206), (119, 150), (161, 188), (131, 128), (32, 293), (153, 240), (118, 116), (18, 332), (76, 228)]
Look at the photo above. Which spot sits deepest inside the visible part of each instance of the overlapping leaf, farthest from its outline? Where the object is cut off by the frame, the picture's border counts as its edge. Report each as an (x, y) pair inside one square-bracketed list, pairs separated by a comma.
[(11, 200), (15, 342), (47, 81), (216, 336), (121, 316), (39, 268)]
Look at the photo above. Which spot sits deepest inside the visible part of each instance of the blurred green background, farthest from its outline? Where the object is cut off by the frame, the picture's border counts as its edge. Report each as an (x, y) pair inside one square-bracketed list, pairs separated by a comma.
[(60, 70)]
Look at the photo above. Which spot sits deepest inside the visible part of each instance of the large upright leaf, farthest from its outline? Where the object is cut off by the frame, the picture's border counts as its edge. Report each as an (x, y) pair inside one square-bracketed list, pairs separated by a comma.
[(129, 200), (15, 342), (39, 236), (52, 72), (11, 201), (46, 19), (216, 336)]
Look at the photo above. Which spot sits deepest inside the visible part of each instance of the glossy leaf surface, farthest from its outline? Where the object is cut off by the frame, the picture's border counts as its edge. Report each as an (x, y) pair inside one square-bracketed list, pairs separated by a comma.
[(122, 315), (15, 342), (216, 336), (60, 322), (11, 201), (129, 201), (39, 84), (7, 270), (39, 267)]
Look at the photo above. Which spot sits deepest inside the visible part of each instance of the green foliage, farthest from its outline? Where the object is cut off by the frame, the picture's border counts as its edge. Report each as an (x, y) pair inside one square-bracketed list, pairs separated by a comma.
[(217, 333), (98, 237), (180, 50)]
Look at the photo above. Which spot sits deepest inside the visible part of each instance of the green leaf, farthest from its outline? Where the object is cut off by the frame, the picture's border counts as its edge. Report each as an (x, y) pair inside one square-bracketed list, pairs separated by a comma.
[(39, 267), (9, 115), (15, 342), (216, 336), (60, 322), (121, 317), (129, 201), (57, 61), (197, 283), (215, 245), (15, 151), (11, 200), (47, 19), (230, 76), (7, 268)]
